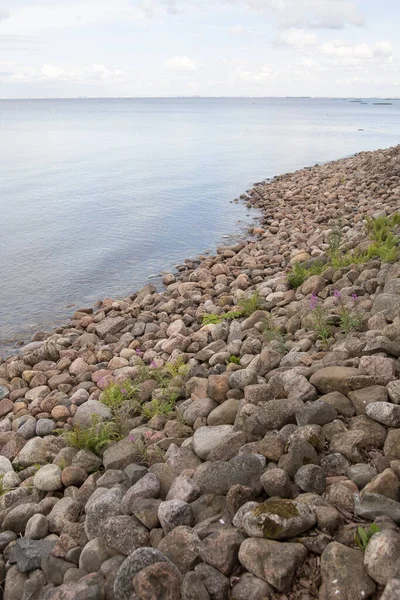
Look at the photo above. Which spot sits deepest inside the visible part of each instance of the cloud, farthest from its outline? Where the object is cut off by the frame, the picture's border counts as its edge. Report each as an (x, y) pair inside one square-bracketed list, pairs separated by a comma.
[(4, 14), (74, 74), (297, 38), (345, 50), (180, 63)]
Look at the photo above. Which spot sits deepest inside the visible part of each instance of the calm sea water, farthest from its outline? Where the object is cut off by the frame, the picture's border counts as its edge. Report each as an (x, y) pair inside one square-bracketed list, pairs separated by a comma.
[(97, 195)]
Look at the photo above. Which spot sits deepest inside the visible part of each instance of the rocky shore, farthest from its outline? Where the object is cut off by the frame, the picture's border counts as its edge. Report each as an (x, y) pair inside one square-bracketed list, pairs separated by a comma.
[(236, 436)]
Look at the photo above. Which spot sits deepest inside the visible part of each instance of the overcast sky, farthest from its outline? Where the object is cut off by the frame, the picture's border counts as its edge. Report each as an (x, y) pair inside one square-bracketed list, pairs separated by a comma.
[(70, 48)]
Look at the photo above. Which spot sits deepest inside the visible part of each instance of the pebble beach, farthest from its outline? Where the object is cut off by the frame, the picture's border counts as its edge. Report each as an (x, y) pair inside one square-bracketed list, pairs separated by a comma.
[(234, 436)]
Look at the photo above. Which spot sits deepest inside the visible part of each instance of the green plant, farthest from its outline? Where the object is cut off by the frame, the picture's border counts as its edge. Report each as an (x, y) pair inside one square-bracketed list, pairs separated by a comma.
[(116, 394), (350, 318), (250, 304), (235, 360), (177, 368), (273, 334), (320, 318), (363, 536), (159, 406), (211, 319), (93, 438), (335, 239), (300, 273)]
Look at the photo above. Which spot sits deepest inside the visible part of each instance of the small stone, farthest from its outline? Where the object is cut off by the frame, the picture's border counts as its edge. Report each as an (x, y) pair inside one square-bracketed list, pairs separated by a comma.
[(252, 587), (123, 534), (159, 580), (147, 487), (45, 427), (91, 412), (218, 477), (73, 475), (132, 565), (173, 513), (384, 412), (37, 527), (183, 488), (276, 482), (318, 413), (370, 506), (361, 474), (242, 378), (207, 439), (220, 549), (182, 547)]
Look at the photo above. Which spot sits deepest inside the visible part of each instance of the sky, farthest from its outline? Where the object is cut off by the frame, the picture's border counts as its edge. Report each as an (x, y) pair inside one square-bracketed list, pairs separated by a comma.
[(163, 48)]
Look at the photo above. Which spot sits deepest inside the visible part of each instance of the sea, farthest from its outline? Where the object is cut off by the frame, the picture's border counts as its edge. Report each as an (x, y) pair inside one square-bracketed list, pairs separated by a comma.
[(100, 196)]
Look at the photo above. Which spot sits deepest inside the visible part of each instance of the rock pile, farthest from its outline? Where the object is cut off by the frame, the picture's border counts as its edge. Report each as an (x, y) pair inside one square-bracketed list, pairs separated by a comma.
[(276, 449)]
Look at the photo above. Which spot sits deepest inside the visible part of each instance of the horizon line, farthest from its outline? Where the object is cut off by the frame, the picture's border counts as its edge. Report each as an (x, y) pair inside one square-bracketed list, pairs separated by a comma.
[(198, 97)]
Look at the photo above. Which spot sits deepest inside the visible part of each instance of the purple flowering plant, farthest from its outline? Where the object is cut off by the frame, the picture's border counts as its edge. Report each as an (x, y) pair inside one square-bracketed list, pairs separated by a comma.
[(350, 317), (321, 326)]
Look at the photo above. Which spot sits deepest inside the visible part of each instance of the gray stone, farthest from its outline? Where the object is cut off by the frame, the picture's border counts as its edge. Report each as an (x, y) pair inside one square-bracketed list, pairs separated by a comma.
[(192, 588), (93, 555), (182, 547), (216, 584), (392, 589), (34, 452), (384, 412), (207, 439), (108, 505), (361, 474), (28, 553), (225, 413), (272, 415), (87, 460), (173, 513), (123, 534), (382, 556), (147, 487), (14, 584), (91, 412), (183, 488), (388, 304), (48, 478), (218, 477), (334, 379), (121, 454), (134, 472), (55, 568), (5, 465), (251, 587), (19, 516), (63, 511), (393, 389), (198, 409), (242, 378), (135, 562), (317, 413), (361, 398), (371, 506), (37, 527), (311, 478), (278, 519), (45, 427), (343, 574), (5, 538), (274, 562), (110, 326), (220, 549), (276, 482)]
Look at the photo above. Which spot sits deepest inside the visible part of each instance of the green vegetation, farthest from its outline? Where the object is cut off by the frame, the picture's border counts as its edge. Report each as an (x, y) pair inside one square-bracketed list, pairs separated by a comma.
[(384, 245), (300, 273), (114, 396), (235, 360), (246, 307), (94, 438), (273, 334), (362, 536)]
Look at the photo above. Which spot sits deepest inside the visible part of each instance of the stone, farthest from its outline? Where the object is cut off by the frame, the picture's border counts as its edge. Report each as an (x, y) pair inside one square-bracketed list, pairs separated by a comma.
[(147, 487), (361, 398), (216, 584), (317, 412), (94, 553), (252, 587), (65, 510), (224, 414), (110, 326), (385, 483), (44, 427), (272, 415), (384, 412), (182, 547), (33, 452), (311, 478), (123, 534), (392, 444), (19, 516), (220, 549), (91, 412), (183, 488), (14, 584), (73, 475), (218, 477), (5, 465), (37, 527), (159, 580), (120, 455), (274, 562), (276, 482), (393, 388), (48, 478), (334, 379), (242, 378), (86, 460), (132, 565), (350, 444), (388, 305), (340, 403), (173, 513), (392, 589), (278, 519), (207, 439), (297, 386), (380, 368), (382, 556), (343, 574), (361, 474), (6, 406), (218, 387), (146, 510), (108, 505), (370, 506), (198, 409), (28, 553), (192, 588), (55, 568)]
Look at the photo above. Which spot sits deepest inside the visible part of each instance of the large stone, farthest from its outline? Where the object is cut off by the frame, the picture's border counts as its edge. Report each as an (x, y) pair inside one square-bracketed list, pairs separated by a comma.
[(207, 439), (343, 574), (156, 581), (382, 369), (370, 506), (173, 513), (108, 505), (33, 452), (388, 304), (252, 587), (382, 556), (220, 549), (274, 562), (135, 562), (110, 326), (334, 379), (242, 378), (315, 413), (311, 478), (272, 415), (182, 547), (28, 553), (384, 412), (93, 555), (121, 454), (91, 412), (218, 477), (278, 519), (147, 487), (124, 533), (48, 478)]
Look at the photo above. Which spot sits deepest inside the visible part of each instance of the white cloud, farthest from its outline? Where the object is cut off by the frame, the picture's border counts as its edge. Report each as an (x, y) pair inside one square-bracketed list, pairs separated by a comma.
[(297, 38), (74, 74), (180, 63), (345, 50)]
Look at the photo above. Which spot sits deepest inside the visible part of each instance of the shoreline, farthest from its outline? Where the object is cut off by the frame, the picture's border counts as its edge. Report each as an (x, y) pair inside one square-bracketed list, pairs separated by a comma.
[(236, 435)]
